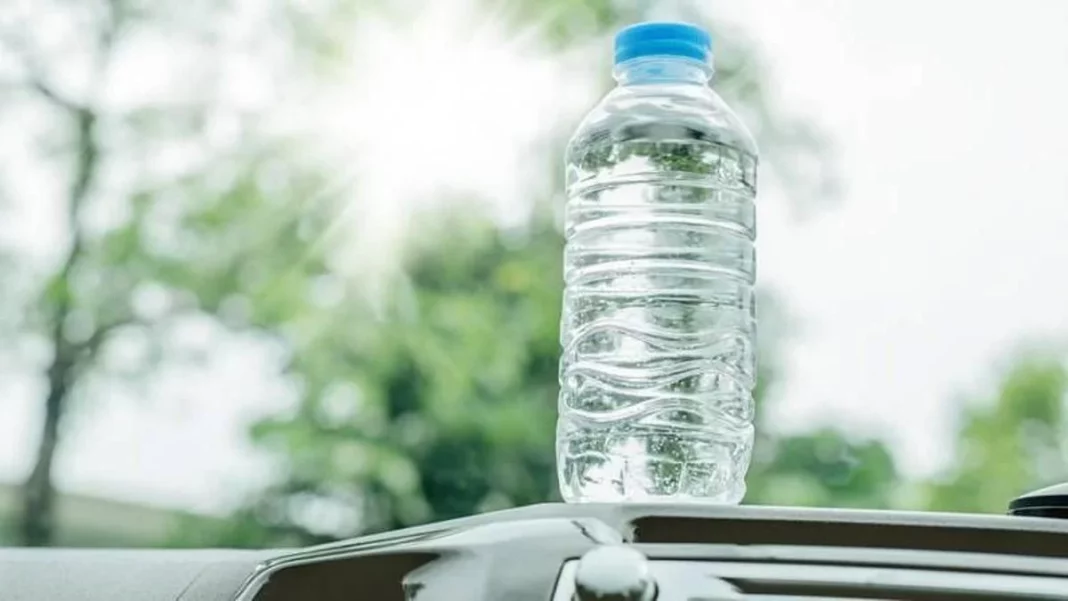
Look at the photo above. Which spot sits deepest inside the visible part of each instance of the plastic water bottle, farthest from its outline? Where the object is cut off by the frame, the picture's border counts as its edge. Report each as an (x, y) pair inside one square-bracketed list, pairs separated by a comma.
[(659, 317)]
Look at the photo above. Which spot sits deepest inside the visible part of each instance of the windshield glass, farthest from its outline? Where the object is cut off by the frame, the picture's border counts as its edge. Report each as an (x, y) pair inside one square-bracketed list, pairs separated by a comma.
[(280, 273)]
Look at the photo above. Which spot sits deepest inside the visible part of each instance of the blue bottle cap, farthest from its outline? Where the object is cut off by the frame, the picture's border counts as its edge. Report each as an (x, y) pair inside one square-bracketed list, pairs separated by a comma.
[(663, 39)]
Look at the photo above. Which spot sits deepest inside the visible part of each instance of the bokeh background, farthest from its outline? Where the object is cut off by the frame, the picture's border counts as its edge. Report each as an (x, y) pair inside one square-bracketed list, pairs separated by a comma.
[(274, 273)]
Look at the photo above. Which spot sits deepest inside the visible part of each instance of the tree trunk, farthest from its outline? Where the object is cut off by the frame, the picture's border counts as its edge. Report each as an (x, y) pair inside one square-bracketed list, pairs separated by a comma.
[(38, 511), (37, 527)]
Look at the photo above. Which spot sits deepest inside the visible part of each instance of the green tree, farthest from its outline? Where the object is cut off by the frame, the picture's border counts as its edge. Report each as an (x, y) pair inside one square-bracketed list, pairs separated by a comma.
[(1008, 444), (823, 468), (146, 245)]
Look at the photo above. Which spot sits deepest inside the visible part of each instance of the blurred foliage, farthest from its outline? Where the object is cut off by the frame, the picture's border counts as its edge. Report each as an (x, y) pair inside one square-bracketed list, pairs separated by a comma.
[(421, 413), (143, 249), (437, 398), (1008, 444), (418, 412), (823, 468)]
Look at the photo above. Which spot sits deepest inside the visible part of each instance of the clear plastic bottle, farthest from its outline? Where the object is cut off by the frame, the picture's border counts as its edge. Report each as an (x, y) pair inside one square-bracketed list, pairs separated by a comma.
[(659, 318)]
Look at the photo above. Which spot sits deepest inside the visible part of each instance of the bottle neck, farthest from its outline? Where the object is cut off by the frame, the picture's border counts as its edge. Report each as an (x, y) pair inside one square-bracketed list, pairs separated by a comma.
[(661, 70)]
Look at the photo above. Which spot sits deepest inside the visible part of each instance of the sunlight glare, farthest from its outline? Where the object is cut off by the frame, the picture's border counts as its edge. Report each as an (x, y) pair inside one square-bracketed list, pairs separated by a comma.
[(432, 107)]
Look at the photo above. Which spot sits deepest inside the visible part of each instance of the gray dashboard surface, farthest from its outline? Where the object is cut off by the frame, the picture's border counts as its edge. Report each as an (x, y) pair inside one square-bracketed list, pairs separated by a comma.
[(124, 575), (517, 554)]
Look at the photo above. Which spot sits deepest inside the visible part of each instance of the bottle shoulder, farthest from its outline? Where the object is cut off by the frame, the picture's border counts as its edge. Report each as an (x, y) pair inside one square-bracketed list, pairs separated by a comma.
[(683, 110)]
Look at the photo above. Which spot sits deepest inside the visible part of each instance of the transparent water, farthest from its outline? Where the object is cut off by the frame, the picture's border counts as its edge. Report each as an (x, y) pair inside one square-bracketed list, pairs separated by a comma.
[(658, 327)]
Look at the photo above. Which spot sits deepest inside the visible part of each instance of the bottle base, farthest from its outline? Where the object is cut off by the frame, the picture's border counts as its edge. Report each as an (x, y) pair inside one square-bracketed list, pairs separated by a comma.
[(727, 498), (653, 465)]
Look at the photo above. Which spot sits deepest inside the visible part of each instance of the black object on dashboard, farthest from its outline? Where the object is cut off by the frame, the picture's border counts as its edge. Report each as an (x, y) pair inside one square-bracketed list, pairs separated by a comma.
[(1049, 502)]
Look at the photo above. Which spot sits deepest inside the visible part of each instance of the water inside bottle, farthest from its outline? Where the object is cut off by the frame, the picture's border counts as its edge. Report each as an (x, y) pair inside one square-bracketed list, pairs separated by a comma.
[(659, 318)]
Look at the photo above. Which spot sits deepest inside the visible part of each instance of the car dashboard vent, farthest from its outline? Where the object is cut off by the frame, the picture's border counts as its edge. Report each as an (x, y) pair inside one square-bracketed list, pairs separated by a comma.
[(842, 582), (765, 581)]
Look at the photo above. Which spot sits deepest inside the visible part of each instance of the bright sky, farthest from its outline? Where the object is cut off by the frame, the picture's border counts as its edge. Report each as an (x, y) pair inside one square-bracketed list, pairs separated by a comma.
[(948, 248), (945, 250)]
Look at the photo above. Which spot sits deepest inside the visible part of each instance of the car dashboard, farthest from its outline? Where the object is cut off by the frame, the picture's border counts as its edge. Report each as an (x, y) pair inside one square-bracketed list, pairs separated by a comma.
[(558, 552)]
